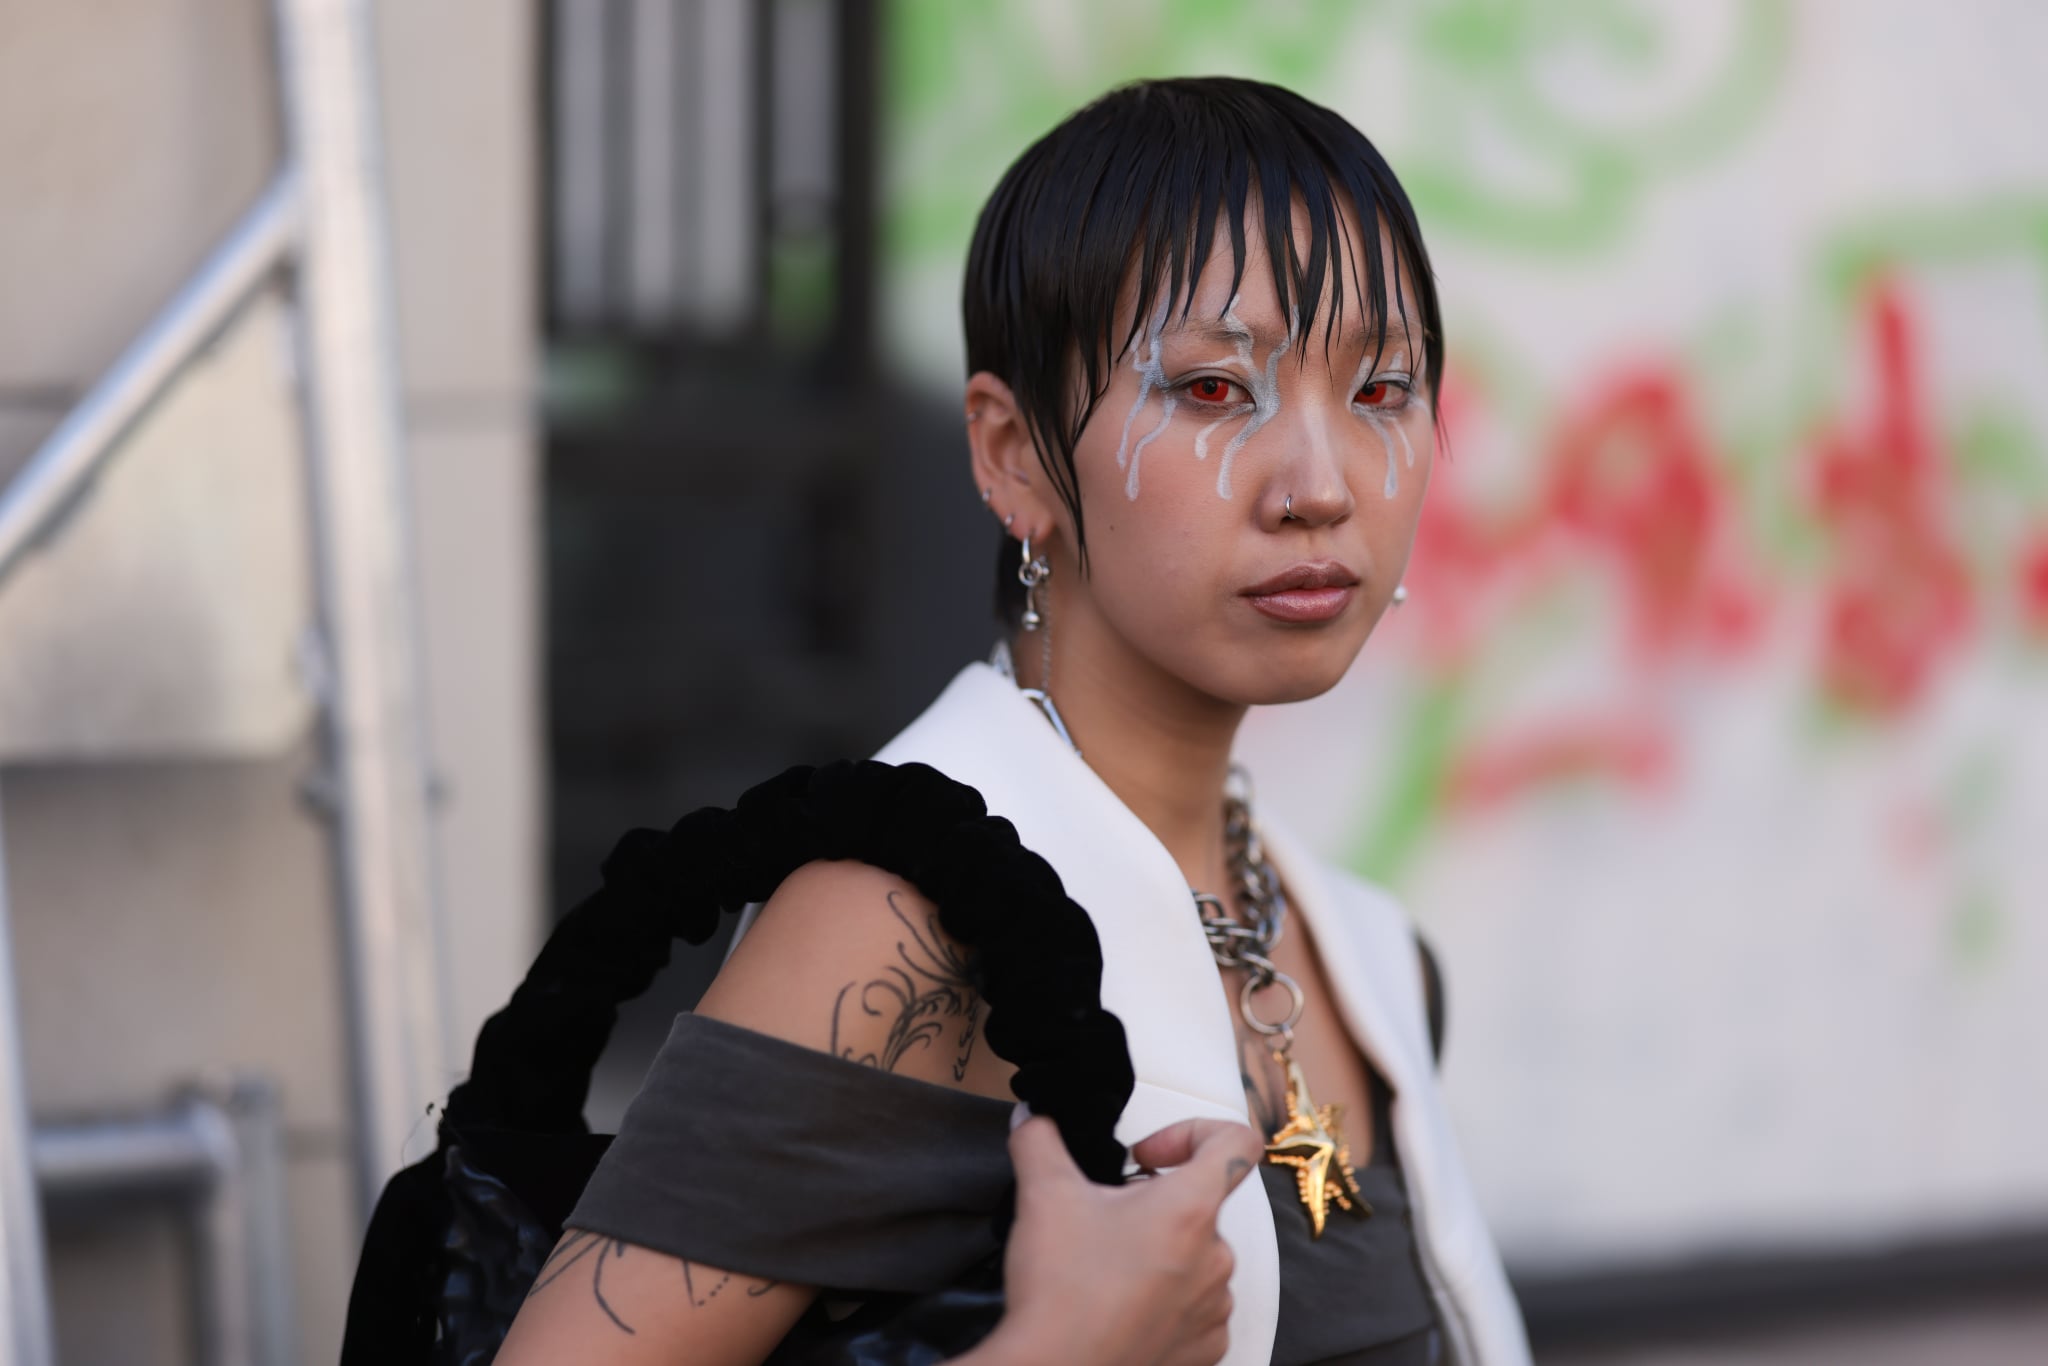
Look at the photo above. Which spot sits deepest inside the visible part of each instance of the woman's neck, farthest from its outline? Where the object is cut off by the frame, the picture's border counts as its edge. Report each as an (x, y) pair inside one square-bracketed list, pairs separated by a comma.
[(1161, 747)]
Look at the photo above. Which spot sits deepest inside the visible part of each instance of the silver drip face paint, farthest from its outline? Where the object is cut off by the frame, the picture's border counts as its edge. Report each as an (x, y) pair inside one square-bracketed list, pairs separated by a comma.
[(1265, 391), (1150, 376), (1401, 433), (1263, 384), (1388, 425), (1241, 338)]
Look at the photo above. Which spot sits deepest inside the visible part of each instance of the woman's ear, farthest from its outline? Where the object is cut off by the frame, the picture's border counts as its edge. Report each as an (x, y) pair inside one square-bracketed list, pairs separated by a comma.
[(1005, 461)]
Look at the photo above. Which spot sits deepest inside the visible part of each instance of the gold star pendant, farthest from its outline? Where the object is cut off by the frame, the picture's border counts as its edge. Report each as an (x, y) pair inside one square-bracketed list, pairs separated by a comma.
[(1309, 1143)]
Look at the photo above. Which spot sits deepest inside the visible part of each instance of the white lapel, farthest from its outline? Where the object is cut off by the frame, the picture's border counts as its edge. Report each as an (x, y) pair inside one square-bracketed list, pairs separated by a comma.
[(1366, 946), (1157, 975)]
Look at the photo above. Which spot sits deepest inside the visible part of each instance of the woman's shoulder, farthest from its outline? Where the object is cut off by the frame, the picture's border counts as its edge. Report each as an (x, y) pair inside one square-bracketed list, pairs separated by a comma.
[(851, 960)]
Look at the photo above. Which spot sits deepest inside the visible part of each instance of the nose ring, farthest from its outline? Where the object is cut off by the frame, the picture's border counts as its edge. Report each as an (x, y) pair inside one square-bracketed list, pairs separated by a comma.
[(1287, 510)]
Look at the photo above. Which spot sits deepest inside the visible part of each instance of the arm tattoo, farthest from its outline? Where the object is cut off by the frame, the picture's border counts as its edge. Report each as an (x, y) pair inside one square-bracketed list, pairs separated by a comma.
[(594, 1250), (597, 1252), (928, 987), (694, 1275)]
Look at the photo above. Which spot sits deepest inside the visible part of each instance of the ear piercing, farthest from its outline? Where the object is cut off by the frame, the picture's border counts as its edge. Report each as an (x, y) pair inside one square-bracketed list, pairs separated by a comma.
[(1032, 570), (1400, 594)]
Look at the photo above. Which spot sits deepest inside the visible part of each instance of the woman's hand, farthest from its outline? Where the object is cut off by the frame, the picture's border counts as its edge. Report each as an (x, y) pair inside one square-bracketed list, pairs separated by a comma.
[(1134, 1275)]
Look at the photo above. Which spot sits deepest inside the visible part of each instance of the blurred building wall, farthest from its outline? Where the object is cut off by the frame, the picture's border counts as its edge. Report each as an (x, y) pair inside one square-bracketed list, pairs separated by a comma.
[(170, 890)]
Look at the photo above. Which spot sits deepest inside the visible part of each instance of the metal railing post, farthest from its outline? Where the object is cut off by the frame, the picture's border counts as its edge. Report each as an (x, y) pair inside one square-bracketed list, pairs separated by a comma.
[(24, 1271), (376, 734)]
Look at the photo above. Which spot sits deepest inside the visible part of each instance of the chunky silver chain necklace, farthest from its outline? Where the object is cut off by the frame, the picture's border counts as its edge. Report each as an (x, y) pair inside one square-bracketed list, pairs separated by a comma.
[(1246, 942), (1310, 1142)]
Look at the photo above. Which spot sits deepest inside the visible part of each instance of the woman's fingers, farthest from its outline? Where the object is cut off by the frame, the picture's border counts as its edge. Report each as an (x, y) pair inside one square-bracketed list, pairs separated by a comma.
[(1228, 1149), (1100, 1274), (1040, 1155)]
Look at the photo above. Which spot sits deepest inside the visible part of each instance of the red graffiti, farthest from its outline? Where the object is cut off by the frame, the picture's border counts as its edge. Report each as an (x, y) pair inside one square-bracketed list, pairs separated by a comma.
[(1630, 499), (1636, 752), (2033, 583), (1897, 600), (1632, 476), (1629, 490)]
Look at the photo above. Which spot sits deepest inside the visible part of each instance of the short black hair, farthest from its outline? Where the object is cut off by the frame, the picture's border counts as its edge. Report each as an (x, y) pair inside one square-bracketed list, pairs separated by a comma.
[(1143, 174)]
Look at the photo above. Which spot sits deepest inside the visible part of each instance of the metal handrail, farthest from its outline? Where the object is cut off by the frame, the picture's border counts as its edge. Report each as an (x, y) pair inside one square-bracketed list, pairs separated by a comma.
[(36, 501), (322, 218), (24, 1280), (217, 1154)]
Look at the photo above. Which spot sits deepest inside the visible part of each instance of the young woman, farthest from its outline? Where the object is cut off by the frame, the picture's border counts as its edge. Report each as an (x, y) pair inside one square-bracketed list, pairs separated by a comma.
[(1204, 348)]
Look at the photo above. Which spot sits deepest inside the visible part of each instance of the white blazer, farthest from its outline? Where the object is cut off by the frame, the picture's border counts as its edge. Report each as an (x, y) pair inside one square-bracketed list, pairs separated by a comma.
[(1159, 979)]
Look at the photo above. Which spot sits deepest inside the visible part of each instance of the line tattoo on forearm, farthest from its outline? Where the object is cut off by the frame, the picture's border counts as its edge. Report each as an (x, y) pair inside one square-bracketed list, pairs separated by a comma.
[(922, 994), (591, 1250), (597, 1253), (694, 1276)]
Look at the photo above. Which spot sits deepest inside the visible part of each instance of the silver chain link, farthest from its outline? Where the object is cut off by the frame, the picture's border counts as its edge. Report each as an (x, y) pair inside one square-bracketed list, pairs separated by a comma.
[(1245, 942)]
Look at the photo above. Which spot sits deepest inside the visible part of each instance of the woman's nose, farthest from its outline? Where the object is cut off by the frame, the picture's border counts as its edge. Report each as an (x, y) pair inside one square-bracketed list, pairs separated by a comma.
[(1309, 485)]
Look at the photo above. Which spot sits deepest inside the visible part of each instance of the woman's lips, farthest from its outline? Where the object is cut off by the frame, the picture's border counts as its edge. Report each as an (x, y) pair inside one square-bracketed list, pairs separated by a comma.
[(1302, 604), (1307, 592)]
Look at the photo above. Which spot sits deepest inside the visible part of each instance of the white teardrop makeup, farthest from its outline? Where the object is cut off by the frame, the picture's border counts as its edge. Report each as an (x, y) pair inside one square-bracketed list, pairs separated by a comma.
[(1387, 421), (1262, 383)]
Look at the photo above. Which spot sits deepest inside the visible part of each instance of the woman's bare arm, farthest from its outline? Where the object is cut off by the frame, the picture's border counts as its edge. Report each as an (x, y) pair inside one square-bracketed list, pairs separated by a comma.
[(845, 959), (601, 1299), (850, 960)]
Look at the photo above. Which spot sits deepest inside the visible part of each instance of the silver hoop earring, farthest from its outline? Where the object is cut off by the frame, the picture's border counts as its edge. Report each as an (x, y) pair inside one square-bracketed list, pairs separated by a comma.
[(1400, 594), (1032, 570)]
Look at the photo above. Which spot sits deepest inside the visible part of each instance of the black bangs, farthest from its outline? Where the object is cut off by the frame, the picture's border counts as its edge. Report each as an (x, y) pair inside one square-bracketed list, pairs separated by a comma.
[(1130, 190)]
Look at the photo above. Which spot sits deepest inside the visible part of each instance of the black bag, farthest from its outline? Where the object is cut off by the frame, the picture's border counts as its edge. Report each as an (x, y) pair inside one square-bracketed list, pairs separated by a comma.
[(458, 1238)]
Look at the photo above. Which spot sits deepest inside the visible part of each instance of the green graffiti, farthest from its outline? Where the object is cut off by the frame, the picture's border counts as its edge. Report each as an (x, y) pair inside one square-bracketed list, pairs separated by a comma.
[(1976, 930), (1481, 60), (1413, 793), (971, 84)]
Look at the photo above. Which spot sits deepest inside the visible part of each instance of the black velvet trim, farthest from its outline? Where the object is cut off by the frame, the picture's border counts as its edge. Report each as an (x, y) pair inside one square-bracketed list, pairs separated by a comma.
[(1033, 953), (1432, 996)]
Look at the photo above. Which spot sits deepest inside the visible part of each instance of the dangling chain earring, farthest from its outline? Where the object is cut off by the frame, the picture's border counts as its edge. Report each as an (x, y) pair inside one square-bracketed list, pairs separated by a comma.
[(1032, 572)]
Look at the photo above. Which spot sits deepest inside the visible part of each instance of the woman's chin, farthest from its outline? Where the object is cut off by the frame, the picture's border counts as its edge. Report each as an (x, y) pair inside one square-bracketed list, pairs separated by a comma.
[(1272, 681)]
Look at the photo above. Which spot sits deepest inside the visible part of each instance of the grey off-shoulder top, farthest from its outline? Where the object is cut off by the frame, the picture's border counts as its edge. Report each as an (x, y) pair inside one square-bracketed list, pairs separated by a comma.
[(768, 1159)]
